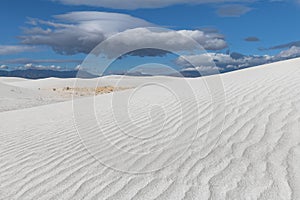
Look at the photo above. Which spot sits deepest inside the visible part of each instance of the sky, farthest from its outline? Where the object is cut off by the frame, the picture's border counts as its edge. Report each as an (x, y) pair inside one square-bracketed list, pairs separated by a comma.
[(59, 34)]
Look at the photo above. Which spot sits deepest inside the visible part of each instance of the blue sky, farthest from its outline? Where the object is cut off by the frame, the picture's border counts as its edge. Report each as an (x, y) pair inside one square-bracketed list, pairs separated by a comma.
[(269, 23)]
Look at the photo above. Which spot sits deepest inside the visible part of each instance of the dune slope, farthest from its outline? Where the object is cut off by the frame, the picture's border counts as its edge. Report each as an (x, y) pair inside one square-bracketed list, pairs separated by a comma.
[(50, 152)]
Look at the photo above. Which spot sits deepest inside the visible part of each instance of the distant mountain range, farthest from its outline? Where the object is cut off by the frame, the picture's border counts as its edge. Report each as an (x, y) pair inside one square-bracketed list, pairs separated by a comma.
[(43, 73), (38, 74)]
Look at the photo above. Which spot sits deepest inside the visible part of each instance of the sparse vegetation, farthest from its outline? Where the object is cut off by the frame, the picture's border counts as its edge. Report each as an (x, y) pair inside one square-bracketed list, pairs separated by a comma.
[(85, 91)]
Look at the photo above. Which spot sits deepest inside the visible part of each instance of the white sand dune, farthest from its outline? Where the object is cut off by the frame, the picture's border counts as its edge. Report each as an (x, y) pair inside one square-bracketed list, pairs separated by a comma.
[(15, 98), (75, 150), (19, 93)]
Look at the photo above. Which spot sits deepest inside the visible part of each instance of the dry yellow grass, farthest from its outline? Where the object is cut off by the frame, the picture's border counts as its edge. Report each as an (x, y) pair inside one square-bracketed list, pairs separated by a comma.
[(86, 91)]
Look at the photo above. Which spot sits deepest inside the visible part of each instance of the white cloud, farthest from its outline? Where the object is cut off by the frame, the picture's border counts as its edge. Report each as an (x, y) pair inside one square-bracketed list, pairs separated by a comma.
[(225, 62), (14, 49), (80, 32), (173, 41), (203, 68), (3, 67), (292, 52), (40, 67), (135, 4), (212, 59)]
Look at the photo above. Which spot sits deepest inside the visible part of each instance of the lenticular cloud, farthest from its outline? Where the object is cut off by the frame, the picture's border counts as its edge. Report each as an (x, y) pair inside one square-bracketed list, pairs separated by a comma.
[(80, 32)]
